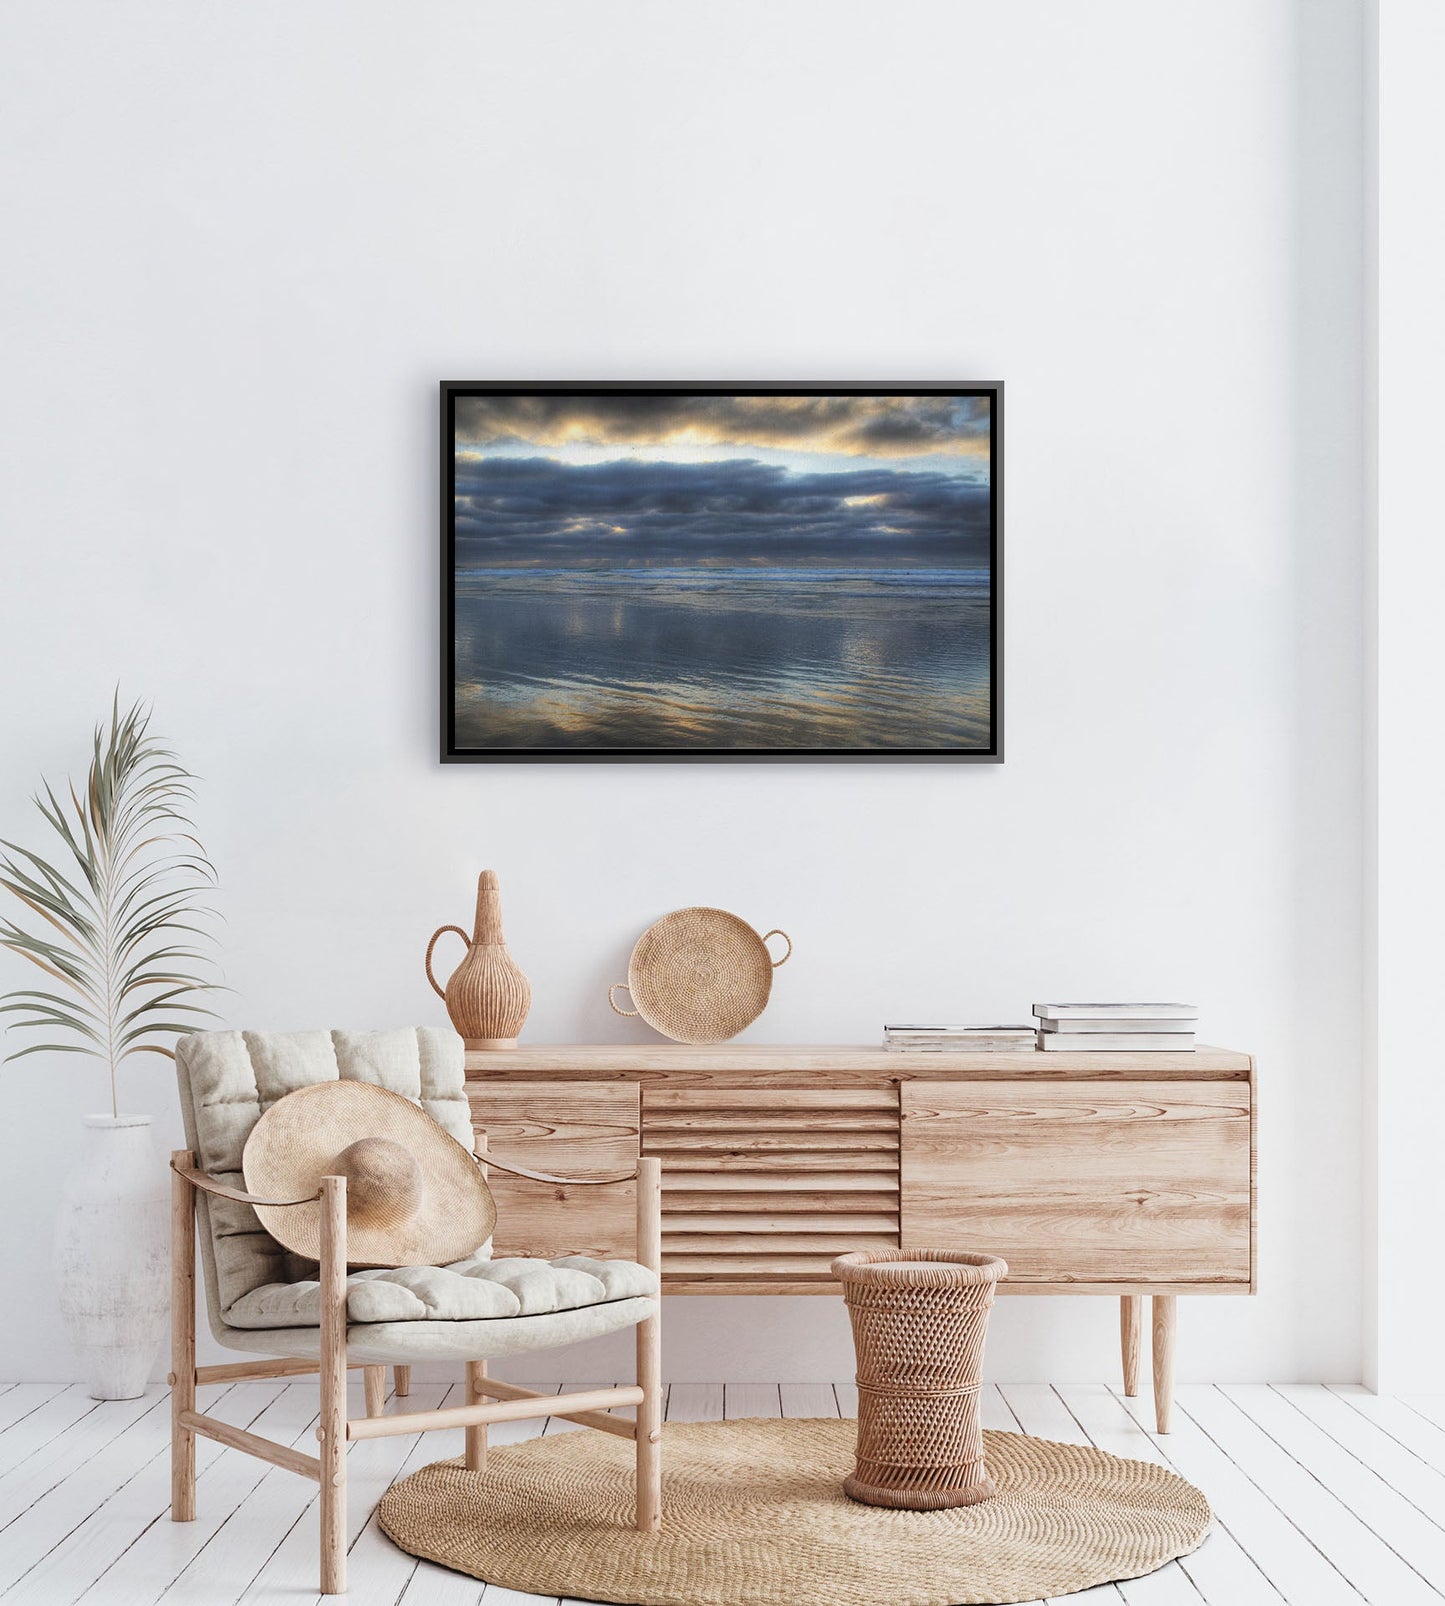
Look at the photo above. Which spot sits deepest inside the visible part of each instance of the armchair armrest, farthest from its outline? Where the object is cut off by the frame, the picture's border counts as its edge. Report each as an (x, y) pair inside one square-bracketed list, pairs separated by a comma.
[(542, 1176), (222, 1190)]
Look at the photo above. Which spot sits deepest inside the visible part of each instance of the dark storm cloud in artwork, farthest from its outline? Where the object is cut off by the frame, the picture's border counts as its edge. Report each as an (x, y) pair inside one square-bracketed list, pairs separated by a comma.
[(852, 425), (635, 510)]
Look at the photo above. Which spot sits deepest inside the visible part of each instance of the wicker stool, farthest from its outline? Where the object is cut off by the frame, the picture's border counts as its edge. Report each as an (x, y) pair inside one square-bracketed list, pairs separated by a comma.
[(919, 1319)]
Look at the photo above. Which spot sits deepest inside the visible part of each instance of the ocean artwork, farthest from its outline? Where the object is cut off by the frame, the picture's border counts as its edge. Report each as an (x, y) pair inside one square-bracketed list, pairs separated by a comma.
[(649, 573)]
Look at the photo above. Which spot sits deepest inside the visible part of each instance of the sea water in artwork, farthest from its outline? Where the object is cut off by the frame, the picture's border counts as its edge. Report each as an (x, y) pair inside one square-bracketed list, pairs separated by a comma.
[(654, 572)]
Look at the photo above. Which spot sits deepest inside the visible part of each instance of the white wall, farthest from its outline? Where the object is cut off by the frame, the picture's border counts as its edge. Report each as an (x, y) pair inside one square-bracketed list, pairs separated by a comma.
[(1406, 1103), (245, 241)]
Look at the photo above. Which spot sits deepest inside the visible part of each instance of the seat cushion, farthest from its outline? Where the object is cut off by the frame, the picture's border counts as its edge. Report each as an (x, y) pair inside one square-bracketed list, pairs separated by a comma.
[(470, 1290), (401, 1343), (227, 1079)]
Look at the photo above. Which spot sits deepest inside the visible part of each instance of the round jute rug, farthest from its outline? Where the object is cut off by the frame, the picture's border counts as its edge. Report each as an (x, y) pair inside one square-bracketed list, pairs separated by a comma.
[(754, 1514)]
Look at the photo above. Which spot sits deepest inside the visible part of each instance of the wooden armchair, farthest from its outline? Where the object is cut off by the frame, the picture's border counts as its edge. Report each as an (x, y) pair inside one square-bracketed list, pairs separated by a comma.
[(334, 1343)]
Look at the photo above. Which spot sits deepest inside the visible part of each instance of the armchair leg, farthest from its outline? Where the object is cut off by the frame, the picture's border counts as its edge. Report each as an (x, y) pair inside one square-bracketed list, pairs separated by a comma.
[(375, 1389), (183, 1341), (476, 1452), (332, 1429), (402, 1374), (476, 1456), (649, 1353), (649, 1426)]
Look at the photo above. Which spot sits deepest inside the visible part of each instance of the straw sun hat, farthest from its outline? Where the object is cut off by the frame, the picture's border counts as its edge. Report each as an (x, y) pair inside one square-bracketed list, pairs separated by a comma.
[(414, 1195)]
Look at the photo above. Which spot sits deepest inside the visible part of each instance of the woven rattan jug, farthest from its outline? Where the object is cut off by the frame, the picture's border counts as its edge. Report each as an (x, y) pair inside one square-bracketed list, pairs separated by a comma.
[(488, 996)]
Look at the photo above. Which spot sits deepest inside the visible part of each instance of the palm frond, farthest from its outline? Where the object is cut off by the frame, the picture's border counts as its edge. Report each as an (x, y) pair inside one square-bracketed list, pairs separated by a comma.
[(61, 962), (68, 921), (117, 910), (59, 884), (180, 1028), (149, 1007), (49, 1048)]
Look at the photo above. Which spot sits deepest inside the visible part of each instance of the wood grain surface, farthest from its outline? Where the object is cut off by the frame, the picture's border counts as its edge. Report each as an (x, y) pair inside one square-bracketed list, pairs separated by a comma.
[(1134, 1182), (1091, 1172), (580, 1129), (771, 1138), (821, 1065)]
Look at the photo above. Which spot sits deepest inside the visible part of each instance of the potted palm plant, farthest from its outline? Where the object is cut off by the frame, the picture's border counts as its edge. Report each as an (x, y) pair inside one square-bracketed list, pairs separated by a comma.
[(114, 918)]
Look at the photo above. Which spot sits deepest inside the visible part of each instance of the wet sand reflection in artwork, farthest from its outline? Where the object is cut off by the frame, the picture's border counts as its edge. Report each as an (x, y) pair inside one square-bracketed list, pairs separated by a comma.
[(723, 658)]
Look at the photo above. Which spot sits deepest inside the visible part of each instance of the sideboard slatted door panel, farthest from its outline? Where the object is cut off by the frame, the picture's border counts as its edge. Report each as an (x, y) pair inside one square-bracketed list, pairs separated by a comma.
[(569, 1129), (762, 1187), (1124, 1182)]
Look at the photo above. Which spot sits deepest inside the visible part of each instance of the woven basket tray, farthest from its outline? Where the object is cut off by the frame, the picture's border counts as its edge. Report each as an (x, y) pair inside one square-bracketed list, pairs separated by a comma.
[(700, 975)]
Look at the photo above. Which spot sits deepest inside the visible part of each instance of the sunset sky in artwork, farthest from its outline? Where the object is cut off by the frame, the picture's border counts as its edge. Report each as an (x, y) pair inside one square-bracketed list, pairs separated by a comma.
[(648, 478)]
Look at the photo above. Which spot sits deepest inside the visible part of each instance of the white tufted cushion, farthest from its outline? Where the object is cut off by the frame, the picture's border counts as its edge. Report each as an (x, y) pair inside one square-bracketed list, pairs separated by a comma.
[(467, 1290), (228, 1078), (402, 1343)]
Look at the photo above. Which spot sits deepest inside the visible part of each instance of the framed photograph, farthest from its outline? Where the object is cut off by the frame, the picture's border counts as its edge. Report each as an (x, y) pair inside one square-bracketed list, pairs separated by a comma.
[(703, 572)]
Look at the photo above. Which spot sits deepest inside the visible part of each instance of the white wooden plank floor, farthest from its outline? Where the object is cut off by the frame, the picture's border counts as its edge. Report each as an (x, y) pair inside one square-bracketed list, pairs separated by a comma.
[(1321, 1495)]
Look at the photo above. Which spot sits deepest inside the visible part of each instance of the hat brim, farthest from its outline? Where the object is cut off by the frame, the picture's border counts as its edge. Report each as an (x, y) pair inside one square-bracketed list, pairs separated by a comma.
[(296, 1143)]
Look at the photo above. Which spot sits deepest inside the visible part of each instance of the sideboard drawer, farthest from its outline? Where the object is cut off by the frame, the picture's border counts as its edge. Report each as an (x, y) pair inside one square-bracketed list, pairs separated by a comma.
[(569, 1129), (762, 1187), (1110, 1182)]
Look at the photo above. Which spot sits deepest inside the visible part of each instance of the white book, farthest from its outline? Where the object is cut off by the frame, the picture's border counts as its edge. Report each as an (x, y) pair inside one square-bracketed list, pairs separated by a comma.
[(1082, 1028), (968, 1040), (983, 1045), (1117, 1011), (1010, 1043), (940, 1031), (1117, 1043), (954, 1031)]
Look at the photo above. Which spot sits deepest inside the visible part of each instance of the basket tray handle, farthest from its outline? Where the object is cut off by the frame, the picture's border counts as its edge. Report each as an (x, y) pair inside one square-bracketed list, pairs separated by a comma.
[(787, 939), (611, 1000)]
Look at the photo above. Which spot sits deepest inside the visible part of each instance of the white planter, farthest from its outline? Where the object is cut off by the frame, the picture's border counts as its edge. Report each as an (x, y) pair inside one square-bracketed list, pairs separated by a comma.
[(111, 1254)]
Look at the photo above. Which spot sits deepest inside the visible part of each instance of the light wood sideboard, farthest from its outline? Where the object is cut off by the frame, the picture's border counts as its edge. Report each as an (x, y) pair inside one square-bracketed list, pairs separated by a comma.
[(1117, 1174)]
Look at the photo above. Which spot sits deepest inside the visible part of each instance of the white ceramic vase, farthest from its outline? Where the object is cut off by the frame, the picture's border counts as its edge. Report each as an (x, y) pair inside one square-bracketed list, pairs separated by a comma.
[(111, 1254)]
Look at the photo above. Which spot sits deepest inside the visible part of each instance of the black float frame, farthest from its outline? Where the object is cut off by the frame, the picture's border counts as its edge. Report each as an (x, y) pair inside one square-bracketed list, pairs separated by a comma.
[(450, 754)]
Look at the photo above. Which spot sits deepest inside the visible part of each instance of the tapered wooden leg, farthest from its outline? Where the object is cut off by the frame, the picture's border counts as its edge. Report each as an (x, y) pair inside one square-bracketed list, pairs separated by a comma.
[(1131, 1333), (402, 1374), (476, 1456), (332, 1429), (1164, 1314), (375, 1389), (649, 1353), (183, 1341), (649, 1426)]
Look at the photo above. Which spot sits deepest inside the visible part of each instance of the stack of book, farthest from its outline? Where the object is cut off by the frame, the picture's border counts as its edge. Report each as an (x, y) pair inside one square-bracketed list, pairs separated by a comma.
[(958, 1039), (1115, 1028)]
